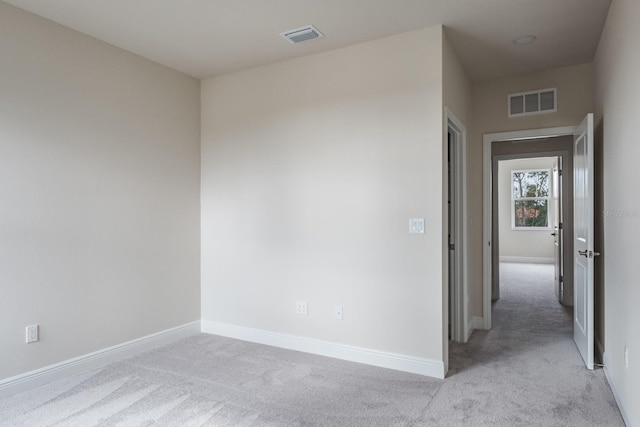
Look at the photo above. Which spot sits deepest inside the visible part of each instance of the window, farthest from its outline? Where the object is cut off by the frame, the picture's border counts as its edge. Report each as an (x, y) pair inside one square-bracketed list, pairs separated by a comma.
[(530, 199)]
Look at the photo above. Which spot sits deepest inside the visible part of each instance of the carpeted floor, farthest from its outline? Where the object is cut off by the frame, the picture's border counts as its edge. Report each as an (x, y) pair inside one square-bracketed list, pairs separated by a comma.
[(525, 371)]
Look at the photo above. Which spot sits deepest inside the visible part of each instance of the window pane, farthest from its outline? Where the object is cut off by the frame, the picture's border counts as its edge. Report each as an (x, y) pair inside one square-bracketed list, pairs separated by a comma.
[(530, 184), (517, 184), (531, 213)]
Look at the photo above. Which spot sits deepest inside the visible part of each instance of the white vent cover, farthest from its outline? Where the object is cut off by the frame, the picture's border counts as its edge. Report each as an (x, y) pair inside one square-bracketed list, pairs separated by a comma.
[(534, 102), (302, 34)]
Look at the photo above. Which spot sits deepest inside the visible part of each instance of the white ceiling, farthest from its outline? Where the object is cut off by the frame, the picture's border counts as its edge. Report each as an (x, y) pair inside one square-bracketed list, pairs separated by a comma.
[(203, 38)]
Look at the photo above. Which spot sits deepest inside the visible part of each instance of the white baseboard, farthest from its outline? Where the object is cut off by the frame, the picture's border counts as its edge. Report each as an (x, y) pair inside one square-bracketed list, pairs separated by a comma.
[(614, 388), (399, 362), (476, 322), (47, 374), (527, 259)]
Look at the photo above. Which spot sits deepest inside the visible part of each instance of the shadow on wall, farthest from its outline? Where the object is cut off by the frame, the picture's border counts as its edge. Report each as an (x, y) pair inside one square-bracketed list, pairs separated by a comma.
[(598, 230)]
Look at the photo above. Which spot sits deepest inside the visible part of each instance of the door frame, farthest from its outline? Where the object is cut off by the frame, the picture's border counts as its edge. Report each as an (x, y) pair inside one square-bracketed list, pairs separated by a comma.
[(531, 149), (487, 202), (460, 327)]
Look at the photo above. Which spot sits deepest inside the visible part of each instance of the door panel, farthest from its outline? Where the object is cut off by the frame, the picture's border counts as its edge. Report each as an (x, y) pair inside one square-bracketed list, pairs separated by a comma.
[(583, 240)]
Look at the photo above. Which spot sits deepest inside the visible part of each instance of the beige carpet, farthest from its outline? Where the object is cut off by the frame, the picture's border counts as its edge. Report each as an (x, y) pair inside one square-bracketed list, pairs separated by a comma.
[(526, 371)]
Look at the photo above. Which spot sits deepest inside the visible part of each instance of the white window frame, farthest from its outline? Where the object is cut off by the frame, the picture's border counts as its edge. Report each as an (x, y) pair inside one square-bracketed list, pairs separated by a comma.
[(548, 198)]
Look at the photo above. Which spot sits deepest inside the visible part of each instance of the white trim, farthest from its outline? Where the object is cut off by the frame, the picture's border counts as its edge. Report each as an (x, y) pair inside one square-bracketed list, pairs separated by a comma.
[(614, 389), (399, 362), (476, 322), (96, 359), (527, 259), (487, 139)]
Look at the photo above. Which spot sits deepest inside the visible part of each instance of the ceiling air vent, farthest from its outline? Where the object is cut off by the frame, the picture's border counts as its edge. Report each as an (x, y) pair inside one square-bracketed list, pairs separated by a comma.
[(534, 102), (302, 34)]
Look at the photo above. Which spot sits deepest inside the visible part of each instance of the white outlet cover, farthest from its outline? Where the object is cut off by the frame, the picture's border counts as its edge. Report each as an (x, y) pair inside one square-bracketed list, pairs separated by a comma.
[(416, 225), (301, 308), (32, 334), (338, 312)]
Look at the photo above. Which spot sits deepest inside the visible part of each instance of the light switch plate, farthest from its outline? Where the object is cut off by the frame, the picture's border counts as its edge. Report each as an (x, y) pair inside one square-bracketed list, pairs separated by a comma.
[(416, 225)]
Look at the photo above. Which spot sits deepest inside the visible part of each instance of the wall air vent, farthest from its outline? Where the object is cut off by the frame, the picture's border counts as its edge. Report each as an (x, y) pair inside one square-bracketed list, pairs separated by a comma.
[(302, 34), (534, 102)]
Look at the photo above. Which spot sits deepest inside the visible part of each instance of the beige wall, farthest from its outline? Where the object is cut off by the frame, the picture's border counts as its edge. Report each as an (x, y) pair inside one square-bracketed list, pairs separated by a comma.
[(99, 182), (522, 243), (456, 85), (617, 70), (575, 100), (311, 169)]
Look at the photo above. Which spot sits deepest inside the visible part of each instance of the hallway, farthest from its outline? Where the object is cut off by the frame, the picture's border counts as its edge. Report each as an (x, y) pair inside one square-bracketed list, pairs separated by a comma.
[(527, 369)]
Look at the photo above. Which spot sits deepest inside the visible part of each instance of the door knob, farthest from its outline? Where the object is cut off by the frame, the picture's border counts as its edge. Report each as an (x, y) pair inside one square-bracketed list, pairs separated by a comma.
[(589, 254), (554, 234)]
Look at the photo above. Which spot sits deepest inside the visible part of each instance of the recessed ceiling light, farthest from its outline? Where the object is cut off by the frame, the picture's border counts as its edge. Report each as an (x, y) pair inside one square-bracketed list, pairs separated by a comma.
[(525, 40)]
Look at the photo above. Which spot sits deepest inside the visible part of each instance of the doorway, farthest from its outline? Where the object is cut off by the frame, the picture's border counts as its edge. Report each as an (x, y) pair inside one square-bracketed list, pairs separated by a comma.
[(532, 212), (582, 236), (455, 237), (529, 214), (523, 144)]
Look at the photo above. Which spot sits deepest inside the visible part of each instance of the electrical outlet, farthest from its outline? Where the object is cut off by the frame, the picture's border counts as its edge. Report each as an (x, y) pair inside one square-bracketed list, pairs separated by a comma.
[(32, 334), (626, 357), (337, 310), (301, 307), (416, 225)]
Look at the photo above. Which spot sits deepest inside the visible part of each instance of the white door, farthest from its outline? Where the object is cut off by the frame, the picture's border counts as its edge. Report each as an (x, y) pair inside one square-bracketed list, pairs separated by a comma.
[(583, 236)]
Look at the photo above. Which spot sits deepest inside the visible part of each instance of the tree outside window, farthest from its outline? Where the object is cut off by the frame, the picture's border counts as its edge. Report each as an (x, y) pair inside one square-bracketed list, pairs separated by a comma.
[(530, 199)]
